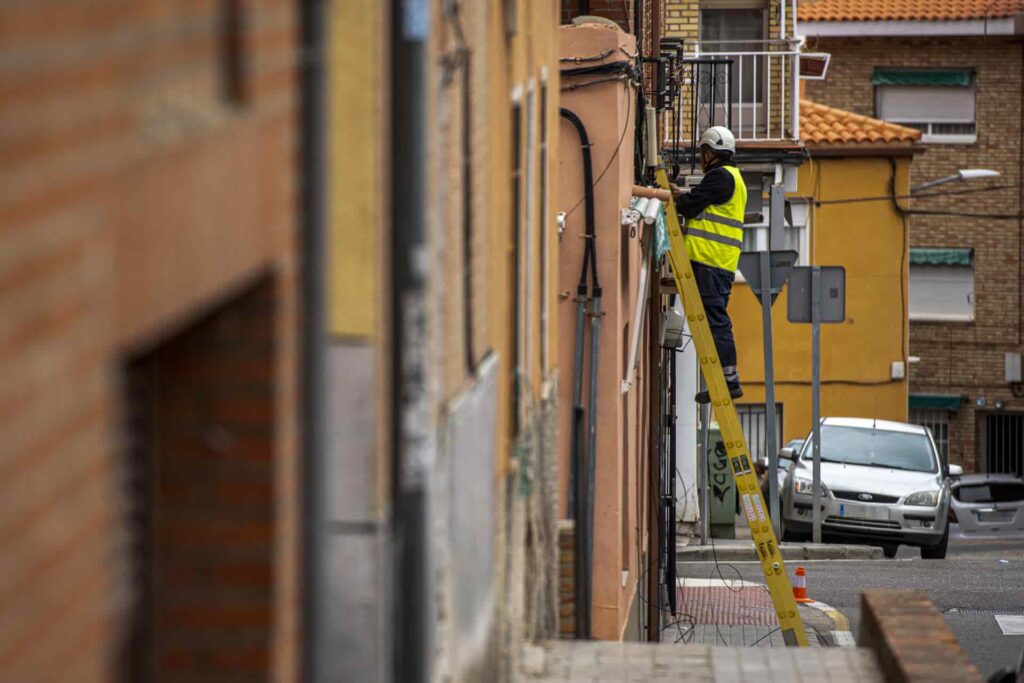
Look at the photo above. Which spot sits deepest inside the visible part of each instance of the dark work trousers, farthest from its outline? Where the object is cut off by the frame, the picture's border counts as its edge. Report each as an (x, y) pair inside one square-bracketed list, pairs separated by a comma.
[(715, 286)]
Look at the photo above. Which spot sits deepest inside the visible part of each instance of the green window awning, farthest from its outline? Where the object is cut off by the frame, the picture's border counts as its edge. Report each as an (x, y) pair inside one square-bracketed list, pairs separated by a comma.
[(931, 256), (948, 77), (935, 402)]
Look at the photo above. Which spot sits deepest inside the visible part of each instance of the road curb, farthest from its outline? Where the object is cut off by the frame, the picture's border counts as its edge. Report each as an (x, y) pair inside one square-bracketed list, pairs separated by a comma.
[(744, 551), (839, 635)]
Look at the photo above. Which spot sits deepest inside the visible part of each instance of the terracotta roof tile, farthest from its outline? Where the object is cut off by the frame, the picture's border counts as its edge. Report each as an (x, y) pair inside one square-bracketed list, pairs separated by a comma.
[(825, 125), (907, 10)]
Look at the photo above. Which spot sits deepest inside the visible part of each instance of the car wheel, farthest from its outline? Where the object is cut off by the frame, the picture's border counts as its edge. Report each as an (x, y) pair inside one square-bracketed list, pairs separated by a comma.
[(937, 552), (890, 550)]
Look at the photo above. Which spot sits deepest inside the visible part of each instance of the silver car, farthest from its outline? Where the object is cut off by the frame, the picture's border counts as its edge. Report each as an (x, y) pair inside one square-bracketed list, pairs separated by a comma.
[(987, 506), (882, 484)]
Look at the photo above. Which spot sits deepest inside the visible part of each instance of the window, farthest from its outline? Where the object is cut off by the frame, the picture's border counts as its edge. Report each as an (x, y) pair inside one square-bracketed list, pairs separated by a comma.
[(938, 102), (529, 230), (941, 284), (738, 30), (994, 492), (1001, 437), (937, 422), (544, 223), (516, 263), (875, 448), (754, 422)]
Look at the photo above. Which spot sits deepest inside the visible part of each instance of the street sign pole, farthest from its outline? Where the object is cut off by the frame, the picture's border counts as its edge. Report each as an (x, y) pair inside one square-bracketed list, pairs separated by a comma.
[(766, 272), (817, 294), (816, 401), (769, 395)]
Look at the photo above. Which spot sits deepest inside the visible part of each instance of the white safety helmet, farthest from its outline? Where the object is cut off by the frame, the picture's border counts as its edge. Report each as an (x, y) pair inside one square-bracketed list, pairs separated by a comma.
[(719, 139)]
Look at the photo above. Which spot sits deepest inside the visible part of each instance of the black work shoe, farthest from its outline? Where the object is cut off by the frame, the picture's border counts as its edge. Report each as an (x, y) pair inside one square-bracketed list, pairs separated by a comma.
[(703, 397)]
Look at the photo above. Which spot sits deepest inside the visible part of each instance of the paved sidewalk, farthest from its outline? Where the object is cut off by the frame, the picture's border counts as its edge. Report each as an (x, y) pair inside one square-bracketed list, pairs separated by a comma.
[(736, 613), (603, 662)]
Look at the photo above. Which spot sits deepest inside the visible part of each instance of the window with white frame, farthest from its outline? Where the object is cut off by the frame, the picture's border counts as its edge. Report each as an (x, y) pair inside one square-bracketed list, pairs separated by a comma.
[(738, 30), (938, 102), (941, 284)]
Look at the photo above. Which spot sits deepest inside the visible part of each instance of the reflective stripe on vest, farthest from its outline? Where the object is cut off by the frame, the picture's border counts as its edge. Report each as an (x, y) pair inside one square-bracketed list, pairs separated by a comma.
[(721, 220), (715, 236)]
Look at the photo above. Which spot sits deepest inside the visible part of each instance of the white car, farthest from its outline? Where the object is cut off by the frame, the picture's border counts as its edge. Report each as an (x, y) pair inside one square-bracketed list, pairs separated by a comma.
[(882, 484), (987, 506)]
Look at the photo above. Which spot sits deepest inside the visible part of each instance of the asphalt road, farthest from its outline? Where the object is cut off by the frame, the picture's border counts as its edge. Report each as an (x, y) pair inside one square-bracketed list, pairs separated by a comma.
[(976, 581)]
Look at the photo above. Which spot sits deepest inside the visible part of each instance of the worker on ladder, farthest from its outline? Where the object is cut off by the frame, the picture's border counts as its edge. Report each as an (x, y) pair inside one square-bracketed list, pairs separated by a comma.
[(713, 233)]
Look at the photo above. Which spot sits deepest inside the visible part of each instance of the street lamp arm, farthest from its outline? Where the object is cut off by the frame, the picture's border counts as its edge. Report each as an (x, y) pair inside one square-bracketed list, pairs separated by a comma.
[(962, 174), (933, 183)]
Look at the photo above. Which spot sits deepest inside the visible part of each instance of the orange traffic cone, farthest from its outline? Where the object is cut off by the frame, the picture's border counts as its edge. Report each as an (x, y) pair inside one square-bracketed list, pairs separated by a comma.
[(800, 586)]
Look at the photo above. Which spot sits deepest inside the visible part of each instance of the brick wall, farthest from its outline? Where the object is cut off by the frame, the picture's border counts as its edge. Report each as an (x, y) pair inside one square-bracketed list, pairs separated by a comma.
[(147, 150), (619, 11), (956, 358), (682, 20)]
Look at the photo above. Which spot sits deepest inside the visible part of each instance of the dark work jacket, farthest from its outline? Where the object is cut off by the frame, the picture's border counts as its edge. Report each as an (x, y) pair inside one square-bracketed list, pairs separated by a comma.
[(716, 187)]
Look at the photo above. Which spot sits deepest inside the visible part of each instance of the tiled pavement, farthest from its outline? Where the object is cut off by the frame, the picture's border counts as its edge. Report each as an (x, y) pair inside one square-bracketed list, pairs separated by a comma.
[(731, 613), (605, 662), (731, 635)]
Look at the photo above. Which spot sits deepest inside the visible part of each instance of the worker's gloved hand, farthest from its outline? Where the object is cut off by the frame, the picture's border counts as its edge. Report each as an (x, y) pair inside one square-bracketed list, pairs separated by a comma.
[(676, 190)]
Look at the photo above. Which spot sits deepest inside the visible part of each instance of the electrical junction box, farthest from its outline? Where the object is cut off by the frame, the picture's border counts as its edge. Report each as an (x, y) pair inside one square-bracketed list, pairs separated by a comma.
[(899, 370), (789, 175), (722, 487)]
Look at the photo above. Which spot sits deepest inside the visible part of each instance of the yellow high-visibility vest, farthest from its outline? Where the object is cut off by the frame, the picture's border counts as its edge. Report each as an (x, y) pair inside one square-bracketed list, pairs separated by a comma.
[(715, 236)]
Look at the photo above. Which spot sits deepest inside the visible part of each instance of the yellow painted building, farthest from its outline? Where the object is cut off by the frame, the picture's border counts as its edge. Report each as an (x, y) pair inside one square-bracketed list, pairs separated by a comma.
[(491, 106), (854, 164)]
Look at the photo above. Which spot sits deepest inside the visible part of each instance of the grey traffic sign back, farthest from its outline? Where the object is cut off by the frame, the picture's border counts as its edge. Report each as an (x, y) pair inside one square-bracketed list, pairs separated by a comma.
[(832, 295), (780, 263)]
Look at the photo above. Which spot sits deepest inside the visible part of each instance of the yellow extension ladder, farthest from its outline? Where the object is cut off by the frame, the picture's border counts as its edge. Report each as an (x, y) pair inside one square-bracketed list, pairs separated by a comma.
[(732, 433)]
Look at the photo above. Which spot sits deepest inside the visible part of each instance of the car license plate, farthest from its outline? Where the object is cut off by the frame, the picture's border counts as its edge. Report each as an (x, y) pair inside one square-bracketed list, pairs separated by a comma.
[(995, 515), (863, 511)]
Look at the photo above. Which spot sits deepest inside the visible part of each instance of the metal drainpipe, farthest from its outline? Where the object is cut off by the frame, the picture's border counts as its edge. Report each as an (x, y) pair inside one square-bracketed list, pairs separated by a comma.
[(580, 482), (654, 424), (313, 212), (412, 435)]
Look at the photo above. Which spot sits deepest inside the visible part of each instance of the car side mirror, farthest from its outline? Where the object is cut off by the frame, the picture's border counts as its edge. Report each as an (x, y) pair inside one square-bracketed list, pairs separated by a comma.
[(955, 471), (787, 454)]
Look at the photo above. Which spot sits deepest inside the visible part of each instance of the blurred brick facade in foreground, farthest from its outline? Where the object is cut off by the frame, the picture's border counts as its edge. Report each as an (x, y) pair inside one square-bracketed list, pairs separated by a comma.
[(147, 341)]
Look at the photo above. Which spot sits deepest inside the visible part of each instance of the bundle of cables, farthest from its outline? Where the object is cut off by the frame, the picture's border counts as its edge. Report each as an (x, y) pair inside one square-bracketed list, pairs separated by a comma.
[(621, 70)]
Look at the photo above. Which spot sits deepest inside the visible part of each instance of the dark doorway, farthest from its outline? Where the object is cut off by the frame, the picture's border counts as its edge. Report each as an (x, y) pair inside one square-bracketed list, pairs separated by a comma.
[(198, 446), (1001, 442)]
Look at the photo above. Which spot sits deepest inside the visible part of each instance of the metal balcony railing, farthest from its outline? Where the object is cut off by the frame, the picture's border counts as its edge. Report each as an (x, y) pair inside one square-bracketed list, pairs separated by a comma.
[(758, 95)]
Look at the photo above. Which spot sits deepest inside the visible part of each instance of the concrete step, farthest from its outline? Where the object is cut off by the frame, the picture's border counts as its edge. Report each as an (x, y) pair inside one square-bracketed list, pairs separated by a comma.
[(601, 662)]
